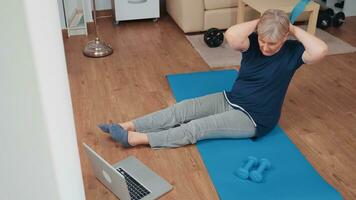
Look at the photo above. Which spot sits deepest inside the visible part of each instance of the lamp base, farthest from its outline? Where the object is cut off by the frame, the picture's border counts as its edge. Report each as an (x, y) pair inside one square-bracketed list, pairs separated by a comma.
[(97, 49)]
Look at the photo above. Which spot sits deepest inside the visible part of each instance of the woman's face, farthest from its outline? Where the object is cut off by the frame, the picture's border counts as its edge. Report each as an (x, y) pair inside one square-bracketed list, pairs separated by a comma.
[(268, 47)]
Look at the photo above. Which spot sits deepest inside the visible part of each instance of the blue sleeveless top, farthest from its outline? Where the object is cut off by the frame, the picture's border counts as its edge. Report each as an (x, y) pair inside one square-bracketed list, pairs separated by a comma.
[(263, 81)]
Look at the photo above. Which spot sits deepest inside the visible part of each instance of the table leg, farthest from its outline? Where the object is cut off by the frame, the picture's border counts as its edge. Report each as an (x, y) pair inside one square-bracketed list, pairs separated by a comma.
[(313, 18), (240, 11)]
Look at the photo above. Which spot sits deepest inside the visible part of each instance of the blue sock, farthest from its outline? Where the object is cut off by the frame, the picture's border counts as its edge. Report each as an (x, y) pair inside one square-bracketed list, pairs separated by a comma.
[(119, 134), (105, 127)]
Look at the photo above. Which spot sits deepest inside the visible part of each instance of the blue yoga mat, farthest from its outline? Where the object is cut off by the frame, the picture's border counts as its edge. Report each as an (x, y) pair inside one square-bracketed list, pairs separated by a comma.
[(291, 175)]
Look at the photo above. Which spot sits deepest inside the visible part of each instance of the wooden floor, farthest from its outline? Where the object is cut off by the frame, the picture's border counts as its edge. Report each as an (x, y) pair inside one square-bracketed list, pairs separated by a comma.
[(319, 113)]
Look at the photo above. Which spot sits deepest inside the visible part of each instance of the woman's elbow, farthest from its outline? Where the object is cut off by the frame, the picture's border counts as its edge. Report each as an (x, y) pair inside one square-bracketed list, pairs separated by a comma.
[(315, 55), (321, 52), (232, 40), (324, 50)]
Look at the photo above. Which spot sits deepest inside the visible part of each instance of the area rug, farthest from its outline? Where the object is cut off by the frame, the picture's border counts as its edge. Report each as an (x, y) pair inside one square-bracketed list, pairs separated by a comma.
[(225, 56)]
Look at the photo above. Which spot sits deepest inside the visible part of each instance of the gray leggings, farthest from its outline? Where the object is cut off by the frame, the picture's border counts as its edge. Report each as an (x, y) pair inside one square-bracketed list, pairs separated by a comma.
[(192, 120)]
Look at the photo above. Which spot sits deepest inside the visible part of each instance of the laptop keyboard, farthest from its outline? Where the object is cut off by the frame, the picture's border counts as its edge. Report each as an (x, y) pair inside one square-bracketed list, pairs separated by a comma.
[(136, 190)]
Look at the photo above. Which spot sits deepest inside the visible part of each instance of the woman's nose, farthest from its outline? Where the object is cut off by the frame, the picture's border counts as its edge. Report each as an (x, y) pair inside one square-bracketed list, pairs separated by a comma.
[(265, 47)]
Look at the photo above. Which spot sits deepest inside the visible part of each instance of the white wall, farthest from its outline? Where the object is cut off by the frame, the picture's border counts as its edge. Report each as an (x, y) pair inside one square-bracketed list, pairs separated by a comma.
[(39, 158), (103, 4), (350, 8)]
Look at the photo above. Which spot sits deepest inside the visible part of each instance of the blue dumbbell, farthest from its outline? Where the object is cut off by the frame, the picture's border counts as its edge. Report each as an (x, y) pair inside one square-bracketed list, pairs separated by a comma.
[(257, 175), (243, 172)]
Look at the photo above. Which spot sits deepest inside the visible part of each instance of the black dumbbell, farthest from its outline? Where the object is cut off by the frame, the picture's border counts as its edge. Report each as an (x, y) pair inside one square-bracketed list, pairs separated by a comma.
[(338, 19), (213, 37), (339, 4), (329, 11), (324, 20)]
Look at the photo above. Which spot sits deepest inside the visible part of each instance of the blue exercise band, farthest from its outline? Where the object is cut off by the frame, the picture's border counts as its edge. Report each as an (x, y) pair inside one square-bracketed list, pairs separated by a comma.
[(297, 10)]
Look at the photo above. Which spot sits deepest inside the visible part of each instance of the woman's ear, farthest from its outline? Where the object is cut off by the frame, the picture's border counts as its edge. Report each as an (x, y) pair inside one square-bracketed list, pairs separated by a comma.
[(286, 37), (291, 30)]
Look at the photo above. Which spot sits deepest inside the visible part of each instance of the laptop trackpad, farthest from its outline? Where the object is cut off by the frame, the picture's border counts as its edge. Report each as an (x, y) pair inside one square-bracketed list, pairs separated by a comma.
[(144, 175)]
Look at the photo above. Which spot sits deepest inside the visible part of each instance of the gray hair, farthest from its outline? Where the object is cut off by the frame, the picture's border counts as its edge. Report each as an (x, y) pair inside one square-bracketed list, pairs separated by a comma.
[(273, 24)]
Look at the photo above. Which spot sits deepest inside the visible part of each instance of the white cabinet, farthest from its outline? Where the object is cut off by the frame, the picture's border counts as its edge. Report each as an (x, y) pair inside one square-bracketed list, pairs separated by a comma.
[(135, 9)]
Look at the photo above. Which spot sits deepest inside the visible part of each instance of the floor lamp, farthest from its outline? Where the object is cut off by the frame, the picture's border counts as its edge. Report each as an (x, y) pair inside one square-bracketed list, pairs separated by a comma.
[(97, 48)]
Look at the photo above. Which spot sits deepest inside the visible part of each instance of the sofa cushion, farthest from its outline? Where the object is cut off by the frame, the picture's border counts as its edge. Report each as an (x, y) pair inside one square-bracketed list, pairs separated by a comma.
[(188, 14), (225, 18), (216, 4)]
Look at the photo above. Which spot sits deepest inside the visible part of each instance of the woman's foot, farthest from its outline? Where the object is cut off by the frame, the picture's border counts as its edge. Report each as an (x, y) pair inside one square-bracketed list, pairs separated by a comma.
[(119, 134), (123, 136), (104, 127), (129, 126)]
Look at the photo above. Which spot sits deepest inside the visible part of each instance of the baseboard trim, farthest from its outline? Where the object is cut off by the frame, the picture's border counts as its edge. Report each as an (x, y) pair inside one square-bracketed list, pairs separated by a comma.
[(90, 29), (104, 13)]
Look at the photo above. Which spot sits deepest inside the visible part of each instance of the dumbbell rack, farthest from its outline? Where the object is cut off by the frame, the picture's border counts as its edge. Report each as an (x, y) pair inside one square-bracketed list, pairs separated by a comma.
[(349, 6), (330, 17), (329, 4)]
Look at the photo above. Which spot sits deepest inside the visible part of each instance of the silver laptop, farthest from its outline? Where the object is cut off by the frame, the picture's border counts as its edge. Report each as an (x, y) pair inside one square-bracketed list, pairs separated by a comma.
[(129, 178)]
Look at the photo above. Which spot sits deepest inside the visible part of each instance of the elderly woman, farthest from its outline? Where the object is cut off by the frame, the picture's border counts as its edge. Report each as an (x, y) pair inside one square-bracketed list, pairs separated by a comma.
[(253, 106)]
